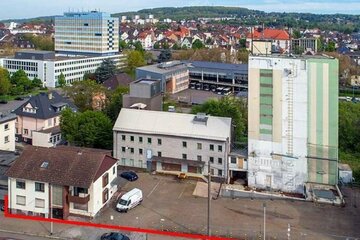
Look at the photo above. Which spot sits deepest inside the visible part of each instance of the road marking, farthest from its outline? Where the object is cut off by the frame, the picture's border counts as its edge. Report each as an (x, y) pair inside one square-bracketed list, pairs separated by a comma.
[(182, 192), (154, 188)]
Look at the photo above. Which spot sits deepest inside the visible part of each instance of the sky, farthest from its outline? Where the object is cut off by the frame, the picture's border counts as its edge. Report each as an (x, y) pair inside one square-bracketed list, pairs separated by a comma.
[(12, 9)]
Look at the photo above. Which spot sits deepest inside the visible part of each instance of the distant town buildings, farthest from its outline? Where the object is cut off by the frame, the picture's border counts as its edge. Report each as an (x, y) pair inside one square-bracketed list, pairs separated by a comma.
[(293, 122)]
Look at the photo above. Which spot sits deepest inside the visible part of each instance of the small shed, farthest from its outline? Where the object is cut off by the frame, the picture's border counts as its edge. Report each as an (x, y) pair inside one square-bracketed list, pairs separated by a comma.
[(345, 173)]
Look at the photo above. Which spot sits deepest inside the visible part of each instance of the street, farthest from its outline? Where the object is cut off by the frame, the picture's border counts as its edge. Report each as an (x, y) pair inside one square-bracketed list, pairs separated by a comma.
[(12, 236)]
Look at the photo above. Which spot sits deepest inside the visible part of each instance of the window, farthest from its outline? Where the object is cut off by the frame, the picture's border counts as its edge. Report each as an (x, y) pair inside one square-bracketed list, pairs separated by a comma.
[(26, 131), (20, 184), (233, 160), (6, 127), (131, 138), (132, 150), (123, 161), (132, 162), (159, 141), (114, 170), (123, 137), (39, 203), (220, 160), (219, 172), (212, 171), (159, 154), (149, 140), (39, 187), (140, 163), (140, 139), (6, 139), (211, 147), (184, 156), (105, 180), (105, 195), (211, 159), (184, 144), (140, 151), (219, 148), (20, 200), (79, 206), (199, 158), (199, 146), (123, 149)]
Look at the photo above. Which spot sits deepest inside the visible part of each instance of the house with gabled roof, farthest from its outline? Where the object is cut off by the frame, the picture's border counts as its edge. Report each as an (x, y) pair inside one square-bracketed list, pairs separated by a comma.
[(63, 180), (40, 112), (276, 40)]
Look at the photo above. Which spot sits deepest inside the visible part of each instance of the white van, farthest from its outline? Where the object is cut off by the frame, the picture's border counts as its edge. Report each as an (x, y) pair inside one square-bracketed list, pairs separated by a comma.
[(129, 200)]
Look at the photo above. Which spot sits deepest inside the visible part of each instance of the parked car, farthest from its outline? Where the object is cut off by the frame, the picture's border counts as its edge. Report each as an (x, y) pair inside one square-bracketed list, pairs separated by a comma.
[(198, 86), (130, 176), (129, 200), (192, 85), (114, 236), (19, 98), (213, 88), (2, 206), (3, 101), (206, 87)]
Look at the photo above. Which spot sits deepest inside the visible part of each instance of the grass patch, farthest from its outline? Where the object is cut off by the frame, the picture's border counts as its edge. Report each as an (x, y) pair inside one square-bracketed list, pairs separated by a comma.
[(13, 97)]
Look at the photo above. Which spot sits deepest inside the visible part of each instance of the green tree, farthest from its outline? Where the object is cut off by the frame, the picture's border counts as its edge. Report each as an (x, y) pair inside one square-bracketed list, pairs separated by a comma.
[(296, 34), (243, 56), (61, 80), (197, 44), (156, 45), (106, 70), (36, 83), (330, 47), (227, 107), (320, 44), (83, 92), (5, 83), (135, 59), (89, 76), (176, 47), (138, 46), (22, 82), (88, 129), (164, 56), (115, 103), (242, 43), (122, 45)]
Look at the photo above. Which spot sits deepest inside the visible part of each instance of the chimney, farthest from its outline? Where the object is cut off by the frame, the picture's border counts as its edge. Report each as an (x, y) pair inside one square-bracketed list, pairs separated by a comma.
[(50, 96)]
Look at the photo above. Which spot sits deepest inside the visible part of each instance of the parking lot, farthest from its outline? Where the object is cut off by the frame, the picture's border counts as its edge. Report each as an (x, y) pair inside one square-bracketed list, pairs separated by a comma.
[(193, 96), (170, 206)]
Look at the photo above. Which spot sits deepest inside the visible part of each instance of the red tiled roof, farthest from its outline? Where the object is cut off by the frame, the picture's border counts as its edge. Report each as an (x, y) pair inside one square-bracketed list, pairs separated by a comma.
[(268, 33)]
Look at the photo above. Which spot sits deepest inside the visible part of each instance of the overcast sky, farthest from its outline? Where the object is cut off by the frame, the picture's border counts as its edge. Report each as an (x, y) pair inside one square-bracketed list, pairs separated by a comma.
[(35, 8)]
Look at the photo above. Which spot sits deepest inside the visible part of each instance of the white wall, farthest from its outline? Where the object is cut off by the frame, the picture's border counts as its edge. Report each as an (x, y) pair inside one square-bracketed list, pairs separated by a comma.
[(30, 194), (10, 133)]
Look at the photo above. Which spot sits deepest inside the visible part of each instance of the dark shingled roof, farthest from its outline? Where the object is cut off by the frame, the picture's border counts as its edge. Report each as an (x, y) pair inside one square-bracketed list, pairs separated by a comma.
[(120, 79), (67, 166), (45, 107)]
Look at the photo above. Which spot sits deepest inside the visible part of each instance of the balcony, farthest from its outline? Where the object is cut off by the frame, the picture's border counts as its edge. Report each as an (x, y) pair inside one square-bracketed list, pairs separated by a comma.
[(81, 199)]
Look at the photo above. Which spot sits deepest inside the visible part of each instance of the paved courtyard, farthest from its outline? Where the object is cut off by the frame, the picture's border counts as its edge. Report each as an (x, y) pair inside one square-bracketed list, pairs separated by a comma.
[(170, 206)]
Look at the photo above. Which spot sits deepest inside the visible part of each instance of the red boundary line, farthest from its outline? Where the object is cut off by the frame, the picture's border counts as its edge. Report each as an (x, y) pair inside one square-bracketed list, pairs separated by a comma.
[(106, 226)]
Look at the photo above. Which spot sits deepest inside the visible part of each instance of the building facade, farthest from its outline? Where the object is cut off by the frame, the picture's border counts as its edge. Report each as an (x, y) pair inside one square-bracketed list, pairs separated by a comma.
[(86, 33), (174, 75), (7, 132), (45, 179), (293, 122), (164, 141)]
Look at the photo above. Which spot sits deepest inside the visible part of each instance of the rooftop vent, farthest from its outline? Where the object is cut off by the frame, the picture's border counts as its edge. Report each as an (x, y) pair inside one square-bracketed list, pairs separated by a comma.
[(45, 165), (201, 118)]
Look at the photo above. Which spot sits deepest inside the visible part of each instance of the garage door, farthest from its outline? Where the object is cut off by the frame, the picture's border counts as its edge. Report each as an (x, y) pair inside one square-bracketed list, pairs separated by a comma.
[(171, 167)]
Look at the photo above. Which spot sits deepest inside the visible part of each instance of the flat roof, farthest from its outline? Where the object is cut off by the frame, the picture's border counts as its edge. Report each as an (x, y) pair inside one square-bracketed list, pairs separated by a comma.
[(293, 56), (166, 69), (146, 81), (218, 65), (35, 51)]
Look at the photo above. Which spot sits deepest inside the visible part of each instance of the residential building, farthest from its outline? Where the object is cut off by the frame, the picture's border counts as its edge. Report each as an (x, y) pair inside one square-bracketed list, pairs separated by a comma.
[(39, 113), (7, 158), (66, 180), (293, 121), (7, 132), (47, 66), (280, 40), (218, 74), (86, 33), (355, 80), (144, 94), (174, 75), (177, 142)]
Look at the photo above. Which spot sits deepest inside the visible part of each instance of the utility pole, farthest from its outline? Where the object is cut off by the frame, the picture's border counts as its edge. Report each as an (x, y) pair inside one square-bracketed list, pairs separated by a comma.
[(264, 205), (209, 199)]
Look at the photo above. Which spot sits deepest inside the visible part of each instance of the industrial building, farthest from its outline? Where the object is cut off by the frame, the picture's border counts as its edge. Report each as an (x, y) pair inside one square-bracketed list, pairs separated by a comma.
[(293, 122)]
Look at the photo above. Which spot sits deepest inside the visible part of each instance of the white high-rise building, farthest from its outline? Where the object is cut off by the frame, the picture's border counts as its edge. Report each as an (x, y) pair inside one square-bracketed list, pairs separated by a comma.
[(90, 33)]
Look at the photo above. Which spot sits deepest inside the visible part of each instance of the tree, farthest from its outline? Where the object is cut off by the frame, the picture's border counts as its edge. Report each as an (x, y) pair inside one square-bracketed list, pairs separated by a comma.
[(176, 47), (330, 47), (242, 43), (115, 103), (83, 93), (5, 83), (164, 56), (122, 45), (135, 59), (243, 56), (197, 44), (36, 83), (138, 46), (22, 82), (227, 107), (61, 80), (89, 76), (296, 34), (88, 129), (156, 45), (106, 70)]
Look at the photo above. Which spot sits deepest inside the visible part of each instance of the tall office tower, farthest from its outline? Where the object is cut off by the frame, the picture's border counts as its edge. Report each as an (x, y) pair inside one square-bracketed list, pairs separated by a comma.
[(87, 33), (293, 122)]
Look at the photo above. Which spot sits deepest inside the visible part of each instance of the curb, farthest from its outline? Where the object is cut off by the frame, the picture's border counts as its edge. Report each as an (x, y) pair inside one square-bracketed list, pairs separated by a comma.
[(32, 234)]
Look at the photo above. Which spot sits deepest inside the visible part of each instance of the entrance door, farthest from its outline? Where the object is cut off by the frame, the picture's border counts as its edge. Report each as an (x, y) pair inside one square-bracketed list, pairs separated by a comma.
[(268, 181)]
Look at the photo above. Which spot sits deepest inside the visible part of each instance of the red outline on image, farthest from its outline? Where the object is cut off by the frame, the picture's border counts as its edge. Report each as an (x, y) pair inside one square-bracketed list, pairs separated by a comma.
[(105, 226)]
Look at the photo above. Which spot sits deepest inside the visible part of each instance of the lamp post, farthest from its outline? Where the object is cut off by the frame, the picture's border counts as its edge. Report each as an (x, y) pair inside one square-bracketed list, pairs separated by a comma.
[(264, 206)]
